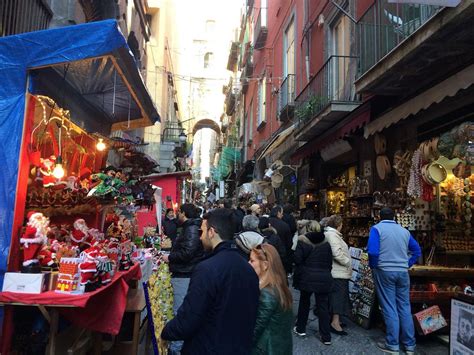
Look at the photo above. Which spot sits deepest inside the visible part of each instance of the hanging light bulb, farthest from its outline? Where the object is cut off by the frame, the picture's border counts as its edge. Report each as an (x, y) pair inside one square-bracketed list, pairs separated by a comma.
[(100, 145), (58, 171)]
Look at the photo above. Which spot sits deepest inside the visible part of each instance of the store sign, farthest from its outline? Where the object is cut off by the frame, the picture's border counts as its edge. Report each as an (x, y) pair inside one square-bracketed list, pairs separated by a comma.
[(447, 3)]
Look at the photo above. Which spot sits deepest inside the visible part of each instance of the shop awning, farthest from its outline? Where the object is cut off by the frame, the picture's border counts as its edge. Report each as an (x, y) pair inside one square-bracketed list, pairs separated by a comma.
[(100, 64), (355, 120), (447, 88), (276, 141), (245, 174)]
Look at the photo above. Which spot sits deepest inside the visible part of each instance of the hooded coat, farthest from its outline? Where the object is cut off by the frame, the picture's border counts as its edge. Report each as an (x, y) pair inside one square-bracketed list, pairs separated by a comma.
[(313, 260), (187, 250)]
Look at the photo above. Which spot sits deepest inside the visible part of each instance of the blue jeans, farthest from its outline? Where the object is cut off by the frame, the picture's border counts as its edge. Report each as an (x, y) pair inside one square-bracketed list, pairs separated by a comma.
[(180, 289), (393, 291)]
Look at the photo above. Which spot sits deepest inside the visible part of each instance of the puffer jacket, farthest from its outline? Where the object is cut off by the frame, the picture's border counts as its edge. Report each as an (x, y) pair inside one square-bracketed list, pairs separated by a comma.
[(313, 260), (187, 250), (272, 334), (341, 258)]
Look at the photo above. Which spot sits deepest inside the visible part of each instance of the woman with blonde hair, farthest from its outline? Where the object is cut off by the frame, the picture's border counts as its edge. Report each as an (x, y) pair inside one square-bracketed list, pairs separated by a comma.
[(272, 333), (341, 272)]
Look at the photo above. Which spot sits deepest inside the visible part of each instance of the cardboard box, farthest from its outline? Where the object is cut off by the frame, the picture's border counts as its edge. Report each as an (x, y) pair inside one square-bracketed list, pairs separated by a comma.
[(25, 283), (429, 320)]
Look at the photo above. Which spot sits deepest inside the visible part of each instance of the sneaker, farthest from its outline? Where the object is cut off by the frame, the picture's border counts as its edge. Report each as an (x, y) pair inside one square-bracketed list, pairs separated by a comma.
[(302, 334), (409, 352), (325, 342), (382, 346)]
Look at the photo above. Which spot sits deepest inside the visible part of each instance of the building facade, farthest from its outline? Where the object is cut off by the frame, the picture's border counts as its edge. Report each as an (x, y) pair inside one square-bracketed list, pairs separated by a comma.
[(317, 75)]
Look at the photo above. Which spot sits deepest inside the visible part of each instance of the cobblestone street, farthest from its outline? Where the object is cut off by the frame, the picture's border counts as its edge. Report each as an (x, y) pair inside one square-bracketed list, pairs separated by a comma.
[(359, 340)]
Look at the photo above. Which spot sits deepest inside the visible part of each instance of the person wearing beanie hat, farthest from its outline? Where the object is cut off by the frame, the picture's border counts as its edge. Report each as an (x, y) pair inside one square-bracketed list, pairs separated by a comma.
[(246, 241), (313, 260)]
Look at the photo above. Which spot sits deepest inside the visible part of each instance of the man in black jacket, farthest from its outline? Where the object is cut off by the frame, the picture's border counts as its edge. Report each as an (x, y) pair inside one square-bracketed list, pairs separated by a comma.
[(284, 232), (219, 311), (289, 218), (186, 253), (237, 215)]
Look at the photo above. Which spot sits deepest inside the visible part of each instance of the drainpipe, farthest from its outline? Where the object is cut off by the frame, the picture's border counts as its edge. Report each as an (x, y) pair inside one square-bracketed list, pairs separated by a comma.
[(307, 65)]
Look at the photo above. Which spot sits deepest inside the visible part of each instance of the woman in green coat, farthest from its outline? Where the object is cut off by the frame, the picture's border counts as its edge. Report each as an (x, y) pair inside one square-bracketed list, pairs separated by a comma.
[(272, 335)]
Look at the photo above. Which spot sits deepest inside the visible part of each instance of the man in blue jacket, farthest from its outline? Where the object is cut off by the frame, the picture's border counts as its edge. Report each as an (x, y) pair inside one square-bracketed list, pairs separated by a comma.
[(392, 251), (219, 311)]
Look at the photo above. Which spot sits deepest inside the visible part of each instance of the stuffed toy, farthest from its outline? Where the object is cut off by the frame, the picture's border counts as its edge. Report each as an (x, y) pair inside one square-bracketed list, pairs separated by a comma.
[(46, 169), (105, 267), (126, 251), (88, 269), (46, 257), (79, 232), (33, 238)]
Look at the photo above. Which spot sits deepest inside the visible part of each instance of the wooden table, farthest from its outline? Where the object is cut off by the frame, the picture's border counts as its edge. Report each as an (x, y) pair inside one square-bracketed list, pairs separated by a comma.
[(51, 304)]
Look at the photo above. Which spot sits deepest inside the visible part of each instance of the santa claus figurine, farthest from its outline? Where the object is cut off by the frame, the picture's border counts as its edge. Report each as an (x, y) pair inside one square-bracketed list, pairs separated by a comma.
[(88, 269), (46, 257), (46, 169), (80, 232), (34, 237)]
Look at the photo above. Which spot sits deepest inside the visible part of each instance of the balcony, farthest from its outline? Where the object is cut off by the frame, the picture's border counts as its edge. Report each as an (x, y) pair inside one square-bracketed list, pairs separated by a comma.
[(405, 47), (286, 98), (327, 98), (246, 67), (261, 30), (172, 131), (23, 16), (230, 103), (233, 56)]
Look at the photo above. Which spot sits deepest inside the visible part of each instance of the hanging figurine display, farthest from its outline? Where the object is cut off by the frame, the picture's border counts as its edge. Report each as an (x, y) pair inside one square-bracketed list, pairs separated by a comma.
[(46, 169)]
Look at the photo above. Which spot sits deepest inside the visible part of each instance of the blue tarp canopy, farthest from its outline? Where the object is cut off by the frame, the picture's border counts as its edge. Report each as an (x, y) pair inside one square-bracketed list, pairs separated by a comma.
[(87, 69)]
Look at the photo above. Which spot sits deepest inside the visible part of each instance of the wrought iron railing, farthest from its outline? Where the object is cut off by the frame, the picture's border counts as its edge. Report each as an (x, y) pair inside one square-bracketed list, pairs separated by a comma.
[(261, 29), (19, 16), (172, 131), (333, 83), (385, 25), (287, 93)]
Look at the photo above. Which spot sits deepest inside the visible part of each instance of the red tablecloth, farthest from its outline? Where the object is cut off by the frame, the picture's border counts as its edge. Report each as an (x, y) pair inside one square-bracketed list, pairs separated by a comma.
[(101, 310)]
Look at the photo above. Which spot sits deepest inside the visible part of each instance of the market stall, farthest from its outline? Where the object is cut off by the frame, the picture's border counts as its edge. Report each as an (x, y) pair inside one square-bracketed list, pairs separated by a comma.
[(423, 171), (80, 240)]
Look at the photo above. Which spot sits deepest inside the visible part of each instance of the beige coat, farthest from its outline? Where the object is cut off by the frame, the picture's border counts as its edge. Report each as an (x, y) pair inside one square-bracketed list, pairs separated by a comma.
[(341, 259)]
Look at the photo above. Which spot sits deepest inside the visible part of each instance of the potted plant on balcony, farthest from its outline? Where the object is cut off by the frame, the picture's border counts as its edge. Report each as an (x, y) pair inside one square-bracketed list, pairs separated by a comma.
[(309, 108)]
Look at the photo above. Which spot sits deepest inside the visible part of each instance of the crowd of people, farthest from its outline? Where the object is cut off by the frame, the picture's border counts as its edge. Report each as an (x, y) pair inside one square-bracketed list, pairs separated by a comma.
[(233, 265)]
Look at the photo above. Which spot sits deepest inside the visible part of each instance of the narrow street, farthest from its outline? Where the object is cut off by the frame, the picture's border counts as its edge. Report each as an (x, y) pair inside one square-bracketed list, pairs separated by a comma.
[(359, 341), (166, 164)]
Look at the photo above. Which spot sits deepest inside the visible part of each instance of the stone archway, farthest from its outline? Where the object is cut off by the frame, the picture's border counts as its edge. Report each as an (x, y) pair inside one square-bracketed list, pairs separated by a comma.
[(207, 123)]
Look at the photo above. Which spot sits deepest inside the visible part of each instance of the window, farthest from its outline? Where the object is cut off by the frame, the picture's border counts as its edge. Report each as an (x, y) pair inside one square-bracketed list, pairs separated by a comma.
[(250, 121), (340, 42), (289, 49), (208, 57), (262, 98)]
